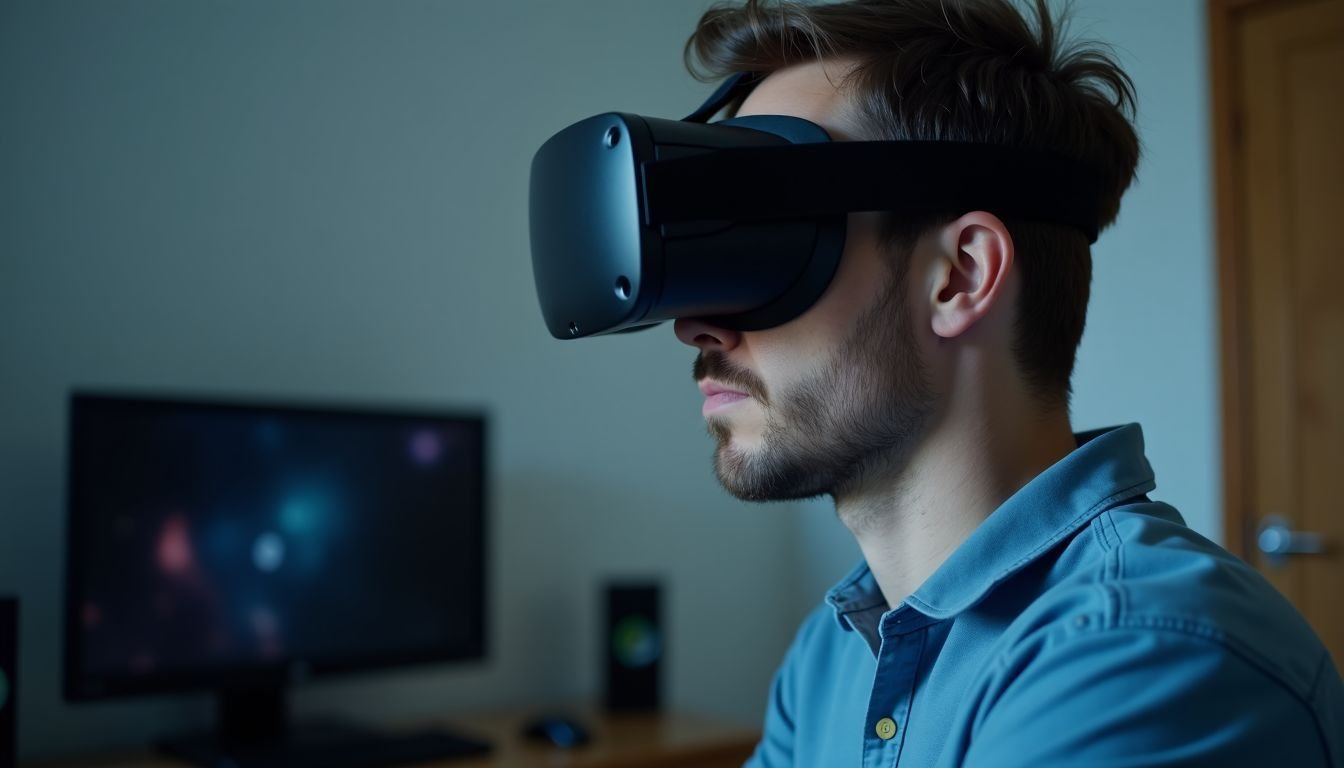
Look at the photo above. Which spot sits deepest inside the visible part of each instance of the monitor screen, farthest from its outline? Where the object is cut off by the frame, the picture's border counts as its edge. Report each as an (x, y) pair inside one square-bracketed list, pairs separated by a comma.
[(213, 544)]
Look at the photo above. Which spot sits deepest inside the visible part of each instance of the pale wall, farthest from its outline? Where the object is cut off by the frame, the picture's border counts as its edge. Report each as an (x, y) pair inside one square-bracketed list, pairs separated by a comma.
[(328, 199)]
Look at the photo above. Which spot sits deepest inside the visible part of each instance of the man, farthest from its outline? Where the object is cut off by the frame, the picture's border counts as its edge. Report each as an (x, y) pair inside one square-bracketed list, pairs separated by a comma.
[(1021, 600)]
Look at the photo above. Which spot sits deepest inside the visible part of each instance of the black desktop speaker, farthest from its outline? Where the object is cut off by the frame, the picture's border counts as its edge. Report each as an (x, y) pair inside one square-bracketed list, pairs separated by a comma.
[(634, 646), (9, 680)]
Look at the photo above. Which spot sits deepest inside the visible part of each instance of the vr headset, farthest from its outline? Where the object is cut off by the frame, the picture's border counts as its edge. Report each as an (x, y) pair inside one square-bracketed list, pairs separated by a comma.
[(636, 220)]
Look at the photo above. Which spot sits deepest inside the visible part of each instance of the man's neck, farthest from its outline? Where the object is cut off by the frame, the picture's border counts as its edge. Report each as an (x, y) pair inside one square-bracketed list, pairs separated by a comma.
[(909, 521)]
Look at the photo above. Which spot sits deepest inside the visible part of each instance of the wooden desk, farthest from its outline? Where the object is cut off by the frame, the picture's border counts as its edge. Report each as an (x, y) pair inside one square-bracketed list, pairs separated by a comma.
[(618, 741)]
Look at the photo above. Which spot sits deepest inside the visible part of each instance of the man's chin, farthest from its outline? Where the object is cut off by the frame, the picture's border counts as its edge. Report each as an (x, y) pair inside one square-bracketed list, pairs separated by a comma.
[(743, 474), (732, 464), (736, 482)]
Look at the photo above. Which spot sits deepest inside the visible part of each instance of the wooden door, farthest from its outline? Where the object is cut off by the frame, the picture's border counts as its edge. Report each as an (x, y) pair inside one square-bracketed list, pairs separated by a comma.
[(1278, 71)]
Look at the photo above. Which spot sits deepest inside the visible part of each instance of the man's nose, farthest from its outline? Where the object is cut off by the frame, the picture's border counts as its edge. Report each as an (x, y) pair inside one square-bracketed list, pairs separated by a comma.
[(706, 336)]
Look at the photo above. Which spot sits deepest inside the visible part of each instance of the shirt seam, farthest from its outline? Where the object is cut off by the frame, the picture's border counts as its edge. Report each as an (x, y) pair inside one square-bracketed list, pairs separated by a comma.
[(1099, 533), (1109, 544), (1109, 522), (1214, 635)]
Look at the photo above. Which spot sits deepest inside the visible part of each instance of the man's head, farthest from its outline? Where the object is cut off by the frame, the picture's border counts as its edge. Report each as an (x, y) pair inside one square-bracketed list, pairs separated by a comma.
[(924, 308)]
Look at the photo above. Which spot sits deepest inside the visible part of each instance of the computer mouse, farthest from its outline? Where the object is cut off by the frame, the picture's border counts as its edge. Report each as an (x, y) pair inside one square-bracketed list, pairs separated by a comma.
[(558, 730)]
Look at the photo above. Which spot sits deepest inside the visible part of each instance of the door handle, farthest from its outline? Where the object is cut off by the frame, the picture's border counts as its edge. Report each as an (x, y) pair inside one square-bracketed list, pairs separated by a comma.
[(1277, 540)]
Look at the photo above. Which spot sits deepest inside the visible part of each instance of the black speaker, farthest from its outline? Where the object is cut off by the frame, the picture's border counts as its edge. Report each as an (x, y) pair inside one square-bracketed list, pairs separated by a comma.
[(634, 646), (9, 680)]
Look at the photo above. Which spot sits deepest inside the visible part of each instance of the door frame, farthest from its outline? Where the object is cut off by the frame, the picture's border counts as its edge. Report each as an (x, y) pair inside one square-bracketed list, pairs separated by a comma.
[(1230, 263)]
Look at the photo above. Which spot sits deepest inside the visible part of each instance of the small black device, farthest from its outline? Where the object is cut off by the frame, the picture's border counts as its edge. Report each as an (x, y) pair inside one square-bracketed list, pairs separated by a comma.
[(634, 646), (637, 220), (558, 731), (9, 680), (243, 547)]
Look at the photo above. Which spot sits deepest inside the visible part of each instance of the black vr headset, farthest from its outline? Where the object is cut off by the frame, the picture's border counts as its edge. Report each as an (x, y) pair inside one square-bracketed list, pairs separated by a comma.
[(637, 220)]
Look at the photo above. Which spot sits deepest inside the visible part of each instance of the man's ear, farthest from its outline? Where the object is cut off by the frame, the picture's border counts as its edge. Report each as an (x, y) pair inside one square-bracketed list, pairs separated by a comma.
[(975, 258)]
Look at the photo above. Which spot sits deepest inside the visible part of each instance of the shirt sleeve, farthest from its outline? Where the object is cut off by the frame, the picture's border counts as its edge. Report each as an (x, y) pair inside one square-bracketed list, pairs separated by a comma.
[(1144, 697)]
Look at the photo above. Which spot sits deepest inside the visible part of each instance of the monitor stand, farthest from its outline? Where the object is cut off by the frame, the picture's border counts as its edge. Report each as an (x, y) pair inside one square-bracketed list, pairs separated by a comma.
[(252, 730)]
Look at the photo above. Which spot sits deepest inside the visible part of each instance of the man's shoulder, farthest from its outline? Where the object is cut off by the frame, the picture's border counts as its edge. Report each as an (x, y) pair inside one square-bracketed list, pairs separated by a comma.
[(1139, 609), (1139, 568)]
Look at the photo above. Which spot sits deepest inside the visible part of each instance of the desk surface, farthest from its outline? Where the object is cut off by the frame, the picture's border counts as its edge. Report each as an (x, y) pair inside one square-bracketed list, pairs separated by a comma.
[(618, 741)]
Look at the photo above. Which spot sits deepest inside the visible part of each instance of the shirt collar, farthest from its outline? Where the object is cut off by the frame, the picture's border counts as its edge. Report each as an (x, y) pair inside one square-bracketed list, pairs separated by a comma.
[(1108, 467)]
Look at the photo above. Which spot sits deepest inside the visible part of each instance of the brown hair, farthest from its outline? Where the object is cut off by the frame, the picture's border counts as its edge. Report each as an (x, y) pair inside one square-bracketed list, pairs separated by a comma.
[(963, 70)]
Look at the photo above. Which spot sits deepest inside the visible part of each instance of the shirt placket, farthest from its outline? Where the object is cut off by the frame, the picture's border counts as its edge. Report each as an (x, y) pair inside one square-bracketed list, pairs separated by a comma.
[(902, 632)]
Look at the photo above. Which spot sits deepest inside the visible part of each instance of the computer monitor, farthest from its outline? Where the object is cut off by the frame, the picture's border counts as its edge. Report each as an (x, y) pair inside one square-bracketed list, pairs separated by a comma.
[(238, 547)]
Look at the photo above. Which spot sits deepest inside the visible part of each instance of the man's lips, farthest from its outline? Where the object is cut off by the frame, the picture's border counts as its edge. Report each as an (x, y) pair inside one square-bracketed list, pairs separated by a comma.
[(710, 389), (718, 396)]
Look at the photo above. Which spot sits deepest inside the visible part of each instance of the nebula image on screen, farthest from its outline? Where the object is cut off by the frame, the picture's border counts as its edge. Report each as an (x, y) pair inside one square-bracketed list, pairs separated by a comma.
[(212, 536)]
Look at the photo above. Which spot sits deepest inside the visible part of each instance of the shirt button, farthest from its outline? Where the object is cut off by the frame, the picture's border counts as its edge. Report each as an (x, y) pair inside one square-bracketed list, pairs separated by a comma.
[(886, 728)]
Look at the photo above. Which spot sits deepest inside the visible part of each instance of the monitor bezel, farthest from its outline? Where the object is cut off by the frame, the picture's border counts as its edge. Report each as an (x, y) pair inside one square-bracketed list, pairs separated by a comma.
[(79, 685)]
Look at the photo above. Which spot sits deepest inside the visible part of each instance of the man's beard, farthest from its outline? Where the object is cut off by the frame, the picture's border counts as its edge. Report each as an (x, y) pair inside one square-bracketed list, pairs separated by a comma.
[(863, 412)]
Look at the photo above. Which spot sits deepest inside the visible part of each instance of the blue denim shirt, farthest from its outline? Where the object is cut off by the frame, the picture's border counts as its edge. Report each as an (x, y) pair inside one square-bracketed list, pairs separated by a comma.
[(1080, 624)]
